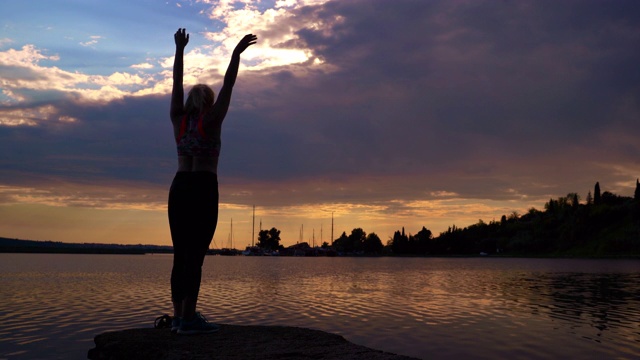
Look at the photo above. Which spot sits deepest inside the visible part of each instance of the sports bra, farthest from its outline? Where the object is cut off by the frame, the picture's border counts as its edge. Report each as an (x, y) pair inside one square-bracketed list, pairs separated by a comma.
[(193, 141)]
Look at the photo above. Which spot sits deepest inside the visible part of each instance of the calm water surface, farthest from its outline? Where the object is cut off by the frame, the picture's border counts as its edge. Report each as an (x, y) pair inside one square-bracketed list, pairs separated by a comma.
[(476, 308)]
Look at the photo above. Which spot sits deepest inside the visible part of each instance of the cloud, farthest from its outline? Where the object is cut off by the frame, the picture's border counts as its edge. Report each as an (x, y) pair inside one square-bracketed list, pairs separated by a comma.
[(439, 194), (99, 196), (89, 43), (25, 77), (142, 66), (437, 110), (25, 81), (277, 27), (33, 116), (8, 97)]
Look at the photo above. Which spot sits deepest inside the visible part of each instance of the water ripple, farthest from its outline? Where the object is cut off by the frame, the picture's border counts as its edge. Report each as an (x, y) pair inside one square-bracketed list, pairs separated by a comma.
[(428, 308)]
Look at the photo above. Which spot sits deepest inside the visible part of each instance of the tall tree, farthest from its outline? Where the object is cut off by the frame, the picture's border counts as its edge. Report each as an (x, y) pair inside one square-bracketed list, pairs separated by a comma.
[(575, 199), (423, 241), (340, 244), (636, 194), (372, 244), (597, 199), (550, 206), (269, 239), (263, 238), (400, 243), (356, 239), (274, 236)]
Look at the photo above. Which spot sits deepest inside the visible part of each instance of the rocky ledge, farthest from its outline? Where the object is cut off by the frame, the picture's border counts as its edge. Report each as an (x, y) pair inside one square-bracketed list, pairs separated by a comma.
[(232, 342)]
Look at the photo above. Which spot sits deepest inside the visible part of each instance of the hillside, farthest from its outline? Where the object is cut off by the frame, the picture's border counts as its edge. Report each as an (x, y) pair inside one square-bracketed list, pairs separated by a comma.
[(30, 246)]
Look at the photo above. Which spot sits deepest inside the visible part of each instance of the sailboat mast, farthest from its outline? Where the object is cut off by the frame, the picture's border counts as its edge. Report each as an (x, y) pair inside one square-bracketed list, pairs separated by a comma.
[(332, 228), (253, 227)]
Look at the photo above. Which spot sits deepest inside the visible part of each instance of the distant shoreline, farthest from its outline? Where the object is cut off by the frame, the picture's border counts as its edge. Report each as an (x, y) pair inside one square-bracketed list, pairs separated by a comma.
[(17, 246), (31, 250), (53, 247), (105, 251)]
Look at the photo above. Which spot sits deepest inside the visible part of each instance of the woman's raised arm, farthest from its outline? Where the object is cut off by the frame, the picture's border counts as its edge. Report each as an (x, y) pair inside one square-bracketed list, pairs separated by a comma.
[(181, 39), (224, 98)]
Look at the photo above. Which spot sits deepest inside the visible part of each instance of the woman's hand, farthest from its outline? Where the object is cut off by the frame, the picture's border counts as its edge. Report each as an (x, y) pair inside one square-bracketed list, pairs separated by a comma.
[(181, 38), (246, 41)]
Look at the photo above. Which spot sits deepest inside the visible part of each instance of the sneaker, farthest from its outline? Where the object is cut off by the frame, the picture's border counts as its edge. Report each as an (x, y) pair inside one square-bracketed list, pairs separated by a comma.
[(162, 322), (199, 325), (175, 324)]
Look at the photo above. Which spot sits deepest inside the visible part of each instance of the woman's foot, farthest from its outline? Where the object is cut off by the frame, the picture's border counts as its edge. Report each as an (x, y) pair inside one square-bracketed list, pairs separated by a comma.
[(197, 325), (175, 324)]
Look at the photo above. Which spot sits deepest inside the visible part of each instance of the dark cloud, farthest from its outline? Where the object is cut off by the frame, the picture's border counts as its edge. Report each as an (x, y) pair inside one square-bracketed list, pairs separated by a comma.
[(467, 89), (475, 98), (126, 140)]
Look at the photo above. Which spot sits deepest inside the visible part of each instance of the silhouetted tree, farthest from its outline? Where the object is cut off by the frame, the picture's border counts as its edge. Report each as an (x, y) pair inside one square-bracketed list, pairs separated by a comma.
[(372, 244), (356, 240), (596, 194), (423, 240), (636, 199), (551, 206), (340, 243), (400, 243), (269, 239), (575, 202), (263, 237), (589, 198), (610, 198)]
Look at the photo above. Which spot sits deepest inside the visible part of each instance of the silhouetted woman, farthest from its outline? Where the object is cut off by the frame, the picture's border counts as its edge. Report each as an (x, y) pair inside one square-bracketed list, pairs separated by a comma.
[(193, 198)]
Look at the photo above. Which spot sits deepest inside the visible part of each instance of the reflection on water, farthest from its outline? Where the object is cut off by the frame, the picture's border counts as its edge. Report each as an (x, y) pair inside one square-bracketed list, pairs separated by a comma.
[(54, 304)]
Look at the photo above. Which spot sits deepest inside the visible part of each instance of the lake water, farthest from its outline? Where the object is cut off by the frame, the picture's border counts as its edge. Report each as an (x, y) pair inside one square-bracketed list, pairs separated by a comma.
[(431, 308)]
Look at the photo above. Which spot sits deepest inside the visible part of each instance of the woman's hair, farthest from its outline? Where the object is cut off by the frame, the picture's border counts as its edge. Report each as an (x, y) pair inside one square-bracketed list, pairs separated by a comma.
[(200, 97)]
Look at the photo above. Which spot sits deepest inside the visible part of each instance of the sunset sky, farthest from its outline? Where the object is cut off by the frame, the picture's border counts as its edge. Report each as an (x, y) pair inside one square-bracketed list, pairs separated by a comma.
[(386, 114)]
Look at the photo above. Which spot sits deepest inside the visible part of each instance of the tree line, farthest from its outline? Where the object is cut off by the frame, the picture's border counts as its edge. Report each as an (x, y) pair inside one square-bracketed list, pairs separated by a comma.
[(604, 225)]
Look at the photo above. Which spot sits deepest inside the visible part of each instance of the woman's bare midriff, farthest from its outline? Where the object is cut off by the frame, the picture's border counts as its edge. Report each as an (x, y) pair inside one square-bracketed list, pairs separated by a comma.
[(191, 163)]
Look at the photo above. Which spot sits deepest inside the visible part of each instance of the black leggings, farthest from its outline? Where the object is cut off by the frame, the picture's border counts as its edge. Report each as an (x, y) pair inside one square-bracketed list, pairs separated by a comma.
[(193, 216)]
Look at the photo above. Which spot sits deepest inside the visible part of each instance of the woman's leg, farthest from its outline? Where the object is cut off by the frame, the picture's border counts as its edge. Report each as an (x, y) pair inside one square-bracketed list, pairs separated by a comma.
[(204, 219), (179, 225)]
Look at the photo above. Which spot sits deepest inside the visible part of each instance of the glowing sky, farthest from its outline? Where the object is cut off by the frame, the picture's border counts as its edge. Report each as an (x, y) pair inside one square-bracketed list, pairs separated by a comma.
[(384, 113)]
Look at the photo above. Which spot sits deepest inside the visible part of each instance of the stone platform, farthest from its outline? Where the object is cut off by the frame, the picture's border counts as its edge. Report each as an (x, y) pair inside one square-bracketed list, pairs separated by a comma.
[(233, 342)]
